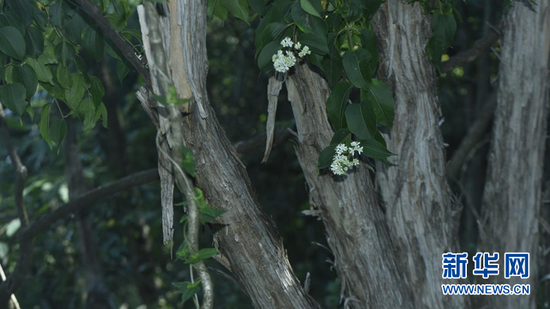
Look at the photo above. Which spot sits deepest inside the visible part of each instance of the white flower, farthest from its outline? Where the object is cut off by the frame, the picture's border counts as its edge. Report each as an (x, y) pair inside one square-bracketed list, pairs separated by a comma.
[(356, 147), (340, 149), (343, 160), (305, 51), (282, 62), (287, 42), (298, 45)]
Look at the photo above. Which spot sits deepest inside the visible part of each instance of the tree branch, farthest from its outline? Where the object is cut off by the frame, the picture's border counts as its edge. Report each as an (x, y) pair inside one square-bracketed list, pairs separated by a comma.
[(470, 55), (281, 135), (24, 261), (474, 135), (88, 199), (103, 23)]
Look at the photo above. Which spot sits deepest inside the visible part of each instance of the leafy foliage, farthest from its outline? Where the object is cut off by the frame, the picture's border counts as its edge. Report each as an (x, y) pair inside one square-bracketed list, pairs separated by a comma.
[(344, 48), (42, 45)]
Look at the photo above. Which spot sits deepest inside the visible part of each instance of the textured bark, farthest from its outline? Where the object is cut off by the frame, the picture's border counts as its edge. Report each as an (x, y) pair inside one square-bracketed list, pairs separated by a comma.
[(512, 196), (248, 242), (420, 210), (354, 221)]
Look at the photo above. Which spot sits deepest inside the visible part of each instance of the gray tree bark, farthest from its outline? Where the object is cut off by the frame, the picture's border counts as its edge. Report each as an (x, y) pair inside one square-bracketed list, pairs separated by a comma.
[(249, 245), (356, 230), (420, 211), (512, 197)]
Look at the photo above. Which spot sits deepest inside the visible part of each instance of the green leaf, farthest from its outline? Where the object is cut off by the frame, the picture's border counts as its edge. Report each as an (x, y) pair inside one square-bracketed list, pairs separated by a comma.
[(92, 41), (342, 136), (57, 14), (301, 18), (435, 52), (368, 39), (64, 77), (45, 124), (26, 76), (87, 110), (333, 70), (374, 149), (9, 19), (23, 9), (64, 52), (272, 33), (183, 251), (209, 213), (316, 42), (264, 59), (444, 28), (203, 254), (74, 95), (336, 105), (97, 90), (239, 8), (34, 41), (361, 120), (187, 289), (12, 42), (215, 8), (326, 156), (75, 26), (122, 69), (381, 99), (58, 130), (13, 96), (42, 71), (313, 7), (104, 115), (259, 6), (353, 71), (188, 161)]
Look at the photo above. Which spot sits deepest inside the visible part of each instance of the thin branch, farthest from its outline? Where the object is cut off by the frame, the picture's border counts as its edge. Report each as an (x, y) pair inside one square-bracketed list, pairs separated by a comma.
[(470, 55), (258, 141), (474, 135), (88, 199), (93, 11)]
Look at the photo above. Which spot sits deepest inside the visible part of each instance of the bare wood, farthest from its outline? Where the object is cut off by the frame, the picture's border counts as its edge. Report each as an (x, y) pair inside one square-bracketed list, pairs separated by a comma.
[(274, 87), (512, 196), (419, 208)]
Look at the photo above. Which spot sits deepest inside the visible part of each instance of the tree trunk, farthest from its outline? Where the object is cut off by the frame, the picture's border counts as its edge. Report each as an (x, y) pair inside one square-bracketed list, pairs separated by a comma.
[(420, 211), (249, 245), (354, 221), (512, 196), (97, 293)]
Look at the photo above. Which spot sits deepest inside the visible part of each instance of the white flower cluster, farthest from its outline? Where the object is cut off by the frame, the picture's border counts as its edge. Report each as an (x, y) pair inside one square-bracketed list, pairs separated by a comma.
[(344, 157), (283, 61)]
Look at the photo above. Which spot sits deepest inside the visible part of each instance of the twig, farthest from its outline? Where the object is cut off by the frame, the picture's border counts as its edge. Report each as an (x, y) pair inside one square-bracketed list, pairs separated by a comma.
[(470, 55), (89, 199), (474, 135), (281, 135), (127, 51)]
